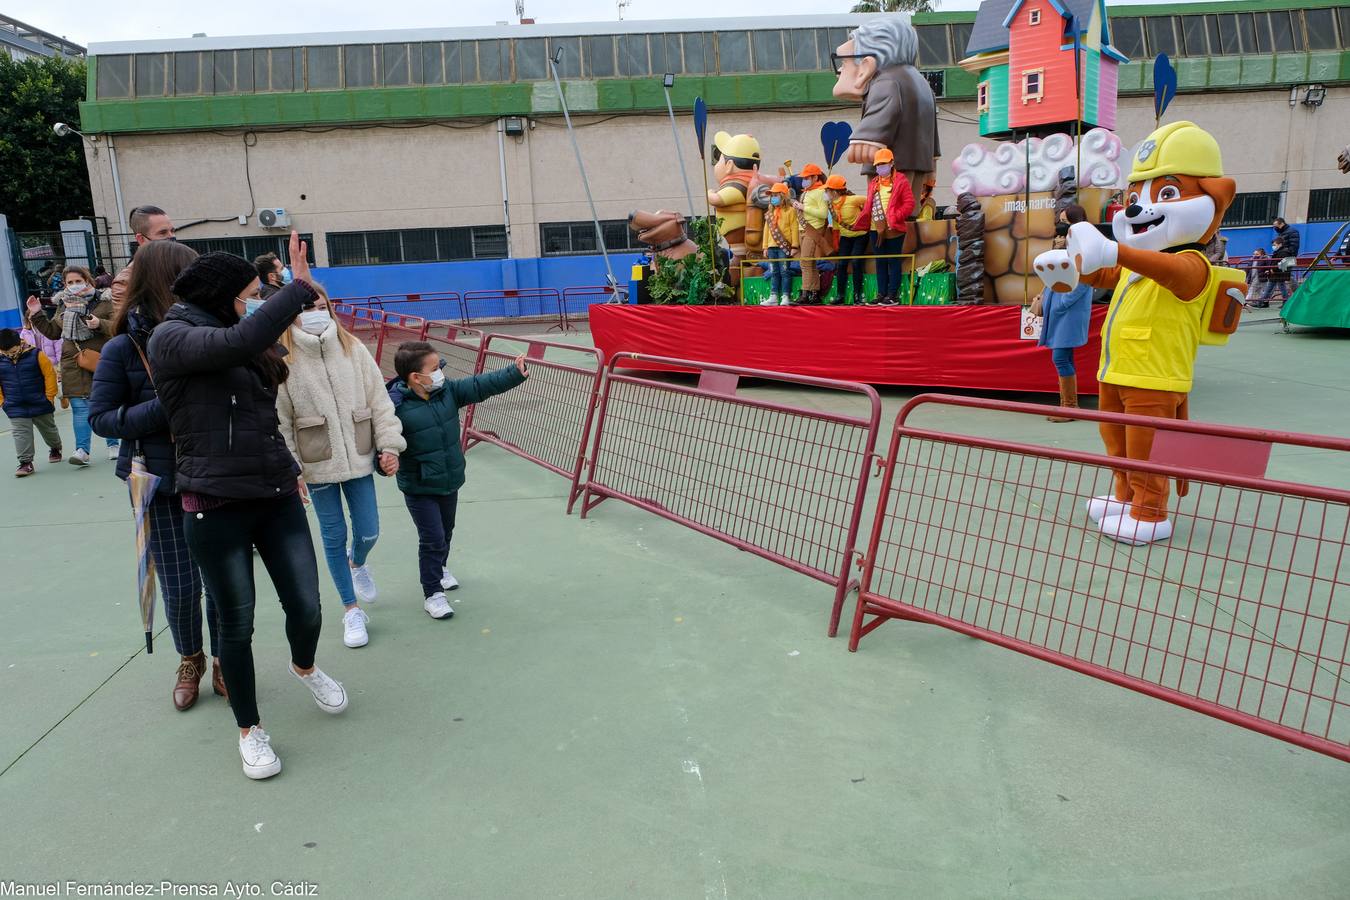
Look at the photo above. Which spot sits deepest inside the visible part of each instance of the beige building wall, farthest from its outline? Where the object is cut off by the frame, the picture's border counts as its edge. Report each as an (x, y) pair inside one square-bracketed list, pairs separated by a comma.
[(444, 175)]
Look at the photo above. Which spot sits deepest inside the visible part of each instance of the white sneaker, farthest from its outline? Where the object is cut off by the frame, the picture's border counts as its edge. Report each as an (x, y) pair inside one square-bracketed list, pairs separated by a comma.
[(1106, 506), (328, 693), (260, 760), (364, 583), (1131, 531), (80, 458), (354, 632), (112, 453), (438, 607), (772, 301), (448, 581)]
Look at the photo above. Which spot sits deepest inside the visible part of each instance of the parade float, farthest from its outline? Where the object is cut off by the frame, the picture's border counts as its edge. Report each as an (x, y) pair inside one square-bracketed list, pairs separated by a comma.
[(1046, 100)]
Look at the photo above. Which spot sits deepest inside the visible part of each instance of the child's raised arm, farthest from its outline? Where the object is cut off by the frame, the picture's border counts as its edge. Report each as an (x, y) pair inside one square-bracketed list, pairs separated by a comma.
[(478, 388)]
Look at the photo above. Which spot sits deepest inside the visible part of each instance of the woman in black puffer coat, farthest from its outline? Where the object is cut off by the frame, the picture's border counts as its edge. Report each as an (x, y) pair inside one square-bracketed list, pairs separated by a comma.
[(123, 404), (217, 368)]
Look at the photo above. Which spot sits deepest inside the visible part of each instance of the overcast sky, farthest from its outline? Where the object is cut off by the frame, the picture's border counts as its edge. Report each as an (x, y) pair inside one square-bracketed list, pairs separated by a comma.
[(89, 21)]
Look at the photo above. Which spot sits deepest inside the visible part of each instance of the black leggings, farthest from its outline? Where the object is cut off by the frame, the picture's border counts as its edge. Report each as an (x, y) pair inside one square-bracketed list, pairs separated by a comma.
[(222, 542)]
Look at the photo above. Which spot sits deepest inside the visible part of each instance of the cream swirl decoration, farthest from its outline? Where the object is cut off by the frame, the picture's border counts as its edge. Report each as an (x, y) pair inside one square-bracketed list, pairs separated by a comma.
[(1003, 169)]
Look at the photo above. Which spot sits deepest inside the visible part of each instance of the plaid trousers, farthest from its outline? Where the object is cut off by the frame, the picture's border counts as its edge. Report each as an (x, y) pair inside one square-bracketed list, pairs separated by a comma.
[(180, 582)]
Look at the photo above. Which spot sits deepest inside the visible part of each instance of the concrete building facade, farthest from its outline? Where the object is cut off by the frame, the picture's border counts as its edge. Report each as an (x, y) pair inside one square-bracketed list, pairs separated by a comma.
[(383, 164)]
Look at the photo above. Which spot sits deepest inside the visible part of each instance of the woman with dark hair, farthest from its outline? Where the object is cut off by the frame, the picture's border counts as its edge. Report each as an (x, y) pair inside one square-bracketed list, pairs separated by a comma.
[(83, 323), (123, 404), (217, 368)]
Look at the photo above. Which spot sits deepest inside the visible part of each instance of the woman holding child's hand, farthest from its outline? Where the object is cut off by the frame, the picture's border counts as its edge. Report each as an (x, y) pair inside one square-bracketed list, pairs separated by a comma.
[(339, 422)]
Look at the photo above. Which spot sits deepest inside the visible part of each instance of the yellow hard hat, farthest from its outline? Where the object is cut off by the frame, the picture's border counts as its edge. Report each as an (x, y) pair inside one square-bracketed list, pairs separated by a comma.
[(1177, 148), (741, 146)]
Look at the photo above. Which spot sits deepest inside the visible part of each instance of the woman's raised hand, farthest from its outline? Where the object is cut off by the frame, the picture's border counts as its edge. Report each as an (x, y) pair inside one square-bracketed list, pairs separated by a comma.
[(299, 257)]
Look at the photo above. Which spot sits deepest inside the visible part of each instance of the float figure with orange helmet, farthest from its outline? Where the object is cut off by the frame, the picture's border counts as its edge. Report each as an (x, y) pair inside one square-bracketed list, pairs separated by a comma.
[(847, 207), (782, 238), (813, 211)]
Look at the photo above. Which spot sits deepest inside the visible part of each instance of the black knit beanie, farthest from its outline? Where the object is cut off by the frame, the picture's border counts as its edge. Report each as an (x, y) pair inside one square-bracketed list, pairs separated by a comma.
[(213, 281)]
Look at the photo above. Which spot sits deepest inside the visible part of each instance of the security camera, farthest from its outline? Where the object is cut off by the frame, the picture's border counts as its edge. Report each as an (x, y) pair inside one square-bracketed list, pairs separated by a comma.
[(61, 129)]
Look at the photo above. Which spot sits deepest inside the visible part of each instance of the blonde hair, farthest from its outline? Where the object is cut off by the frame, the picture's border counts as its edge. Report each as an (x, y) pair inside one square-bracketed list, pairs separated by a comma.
[(345, 338)]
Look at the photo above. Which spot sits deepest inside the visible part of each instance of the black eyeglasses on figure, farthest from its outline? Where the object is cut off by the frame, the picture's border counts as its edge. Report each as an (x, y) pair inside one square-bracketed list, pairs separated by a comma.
[(836, 59)]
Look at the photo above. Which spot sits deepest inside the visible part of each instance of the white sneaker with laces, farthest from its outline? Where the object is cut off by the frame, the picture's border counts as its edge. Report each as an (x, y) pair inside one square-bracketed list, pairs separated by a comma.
[(1106, 506), (260, 760), (772, 301), (80, 458), (112, 453), (328, 693), (364, 583), (448, 581), (354, 632), (438, 607)]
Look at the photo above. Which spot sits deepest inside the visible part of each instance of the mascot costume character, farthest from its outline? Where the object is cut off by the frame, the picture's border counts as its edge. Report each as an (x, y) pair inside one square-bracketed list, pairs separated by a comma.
[(735, 164), (1167, 299)]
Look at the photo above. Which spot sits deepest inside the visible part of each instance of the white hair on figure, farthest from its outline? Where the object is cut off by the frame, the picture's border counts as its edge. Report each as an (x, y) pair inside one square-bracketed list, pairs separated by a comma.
[(891, 39)]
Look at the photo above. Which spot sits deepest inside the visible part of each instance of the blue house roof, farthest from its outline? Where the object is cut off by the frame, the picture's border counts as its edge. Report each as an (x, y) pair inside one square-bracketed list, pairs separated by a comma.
[(990, 32)]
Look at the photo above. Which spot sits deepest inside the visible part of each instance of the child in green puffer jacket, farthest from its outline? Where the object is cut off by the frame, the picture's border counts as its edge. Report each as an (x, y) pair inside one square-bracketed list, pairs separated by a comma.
[(431, 470)]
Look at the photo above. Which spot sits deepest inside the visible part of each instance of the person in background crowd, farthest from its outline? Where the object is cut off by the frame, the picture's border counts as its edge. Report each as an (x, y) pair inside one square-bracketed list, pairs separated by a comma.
[(813, 213), (1066, 317), (1216, 251), (431, 470), (1256, 274), (117, 290), (84, 327), (337, 419), (848, 207), (217, 375), (27, 386), (123, 404), (890, 201), (50, 348), (782, 238), (1275, 276), (1343, 252), (150, 223), (269, 273), (102, 280), (1286, 236), (1069, 215)]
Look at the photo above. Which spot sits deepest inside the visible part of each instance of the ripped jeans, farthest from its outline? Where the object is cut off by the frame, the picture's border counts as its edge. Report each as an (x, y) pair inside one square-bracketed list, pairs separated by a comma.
[(365, 517)]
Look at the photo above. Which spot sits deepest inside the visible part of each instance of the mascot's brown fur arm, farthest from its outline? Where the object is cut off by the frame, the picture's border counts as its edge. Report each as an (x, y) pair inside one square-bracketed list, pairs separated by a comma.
[(1184, 274)]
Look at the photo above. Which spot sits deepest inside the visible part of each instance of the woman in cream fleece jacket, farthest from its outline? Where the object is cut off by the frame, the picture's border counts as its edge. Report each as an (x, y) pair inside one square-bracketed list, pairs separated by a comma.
[(337, 418)]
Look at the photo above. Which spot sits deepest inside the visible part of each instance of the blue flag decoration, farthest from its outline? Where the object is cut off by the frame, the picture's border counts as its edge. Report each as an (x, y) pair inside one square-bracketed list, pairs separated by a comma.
[(834, 138), (701, 124), (1164, 84)]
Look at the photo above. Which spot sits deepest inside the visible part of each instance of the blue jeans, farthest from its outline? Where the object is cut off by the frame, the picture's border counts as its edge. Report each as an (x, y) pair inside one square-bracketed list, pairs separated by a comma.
[(888, 270), (84, 435), (365, 515), (1063, 360), (780, 277)]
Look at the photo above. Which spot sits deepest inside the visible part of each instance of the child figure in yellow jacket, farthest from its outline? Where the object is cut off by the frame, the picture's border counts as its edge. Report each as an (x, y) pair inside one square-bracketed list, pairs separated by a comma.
[(782, 239), (813, 210), (1167, 296), (848, 208)]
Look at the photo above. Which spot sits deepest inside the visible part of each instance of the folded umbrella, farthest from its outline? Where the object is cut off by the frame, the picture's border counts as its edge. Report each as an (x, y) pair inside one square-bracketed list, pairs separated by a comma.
[(142, 484)]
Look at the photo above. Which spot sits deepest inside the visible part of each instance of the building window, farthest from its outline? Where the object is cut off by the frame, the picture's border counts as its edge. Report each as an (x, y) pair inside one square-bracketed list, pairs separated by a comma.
[(698, 54), (322, 72), (578, 238), (395, 67), (114, 76), (599, 56), (937, 81), (665, 50), (494, 61), (961, 38), (358, 65), (933, 49), (570, 64), (1329, 205), (982, 97), (633, 56), (768, 47), (432, 70), (151, 75), (249, 248), (1321, 28), (801, 54), (1035, 17), (1257, 208), (1161, 37), (1127, 36), (733, 52), (187, 74), (1033, 85), (416, 245), (1194, 36), (530, 62), (459, 61)]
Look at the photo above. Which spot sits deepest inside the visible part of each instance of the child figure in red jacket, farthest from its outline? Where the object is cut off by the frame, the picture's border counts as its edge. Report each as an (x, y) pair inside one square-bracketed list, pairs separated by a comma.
[(890, 202)]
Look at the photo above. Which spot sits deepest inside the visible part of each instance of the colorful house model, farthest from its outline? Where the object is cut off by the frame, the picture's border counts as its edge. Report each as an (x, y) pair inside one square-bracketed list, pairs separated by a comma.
[(1023, 53)]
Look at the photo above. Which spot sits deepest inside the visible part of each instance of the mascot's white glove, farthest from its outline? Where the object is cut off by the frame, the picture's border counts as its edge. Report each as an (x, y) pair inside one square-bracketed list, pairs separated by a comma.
[(1089, 249)]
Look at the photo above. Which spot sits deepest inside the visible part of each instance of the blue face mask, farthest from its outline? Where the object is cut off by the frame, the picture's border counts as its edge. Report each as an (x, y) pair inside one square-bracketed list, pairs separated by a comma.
[(251, 306), (776, 201), (286, 275)]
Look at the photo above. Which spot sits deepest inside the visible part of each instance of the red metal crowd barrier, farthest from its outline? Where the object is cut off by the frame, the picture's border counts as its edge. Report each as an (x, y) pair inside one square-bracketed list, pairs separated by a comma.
[(395, 328), (1244, 614), (783, 482), (576, 302), (516, 303), (546, 420), (461, 348)]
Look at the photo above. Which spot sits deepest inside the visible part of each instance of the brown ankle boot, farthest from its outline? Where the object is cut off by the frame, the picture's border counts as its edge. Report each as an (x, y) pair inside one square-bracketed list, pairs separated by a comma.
[(190, 672), (218, 680), (1068, 396)]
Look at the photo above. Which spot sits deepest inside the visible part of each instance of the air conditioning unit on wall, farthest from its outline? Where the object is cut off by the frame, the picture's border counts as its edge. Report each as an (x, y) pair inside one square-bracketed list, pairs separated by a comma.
[(273, 217)]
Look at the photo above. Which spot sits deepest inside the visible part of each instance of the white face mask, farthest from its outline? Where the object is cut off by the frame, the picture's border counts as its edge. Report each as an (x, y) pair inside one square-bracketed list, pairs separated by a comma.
[(77, 287), (437, 381), (314, 321)]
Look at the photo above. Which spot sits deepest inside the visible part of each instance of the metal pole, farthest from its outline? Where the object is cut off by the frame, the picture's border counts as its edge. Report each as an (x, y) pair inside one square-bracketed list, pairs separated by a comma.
[(506, 196), (595, 217), (679, 153)]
